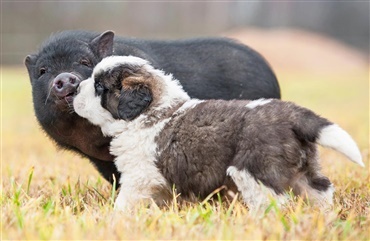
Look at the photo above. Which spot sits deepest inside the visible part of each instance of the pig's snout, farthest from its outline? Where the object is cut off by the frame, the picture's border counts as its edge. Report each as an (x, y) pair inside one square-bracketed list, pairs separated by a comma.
[(65, 84)]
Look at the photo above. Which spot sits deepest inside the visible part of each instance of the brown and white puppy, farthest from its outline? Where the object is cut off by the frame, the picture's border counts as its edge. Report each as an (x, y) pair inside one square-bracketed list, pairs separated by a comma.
[(162, 138)]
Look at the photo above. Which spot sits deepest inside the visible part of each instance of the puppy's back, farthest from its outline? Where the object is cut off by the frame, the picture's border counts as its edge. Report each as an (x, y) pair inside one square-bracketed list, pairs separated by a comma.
[(196, 146), (272, 139)]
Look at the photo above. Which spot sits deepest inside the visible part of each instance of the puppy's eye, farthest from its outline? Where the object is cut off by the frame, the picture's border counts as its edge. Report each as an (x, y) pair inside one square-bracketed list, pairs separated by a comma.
[(99, 88), (42, 71), (85, 62)]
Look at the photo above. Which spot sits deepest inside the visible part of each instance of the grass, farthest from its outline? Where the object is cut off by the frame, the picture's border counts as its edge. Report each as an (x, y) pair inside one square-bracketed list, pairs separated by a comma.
[(51, 194)]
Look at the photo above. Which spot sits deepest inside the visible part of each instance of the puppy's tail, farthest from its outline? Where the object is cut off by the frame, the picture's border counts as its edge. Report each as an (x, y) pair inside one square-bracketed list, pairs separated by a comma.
[(313, 128), (334, 137)]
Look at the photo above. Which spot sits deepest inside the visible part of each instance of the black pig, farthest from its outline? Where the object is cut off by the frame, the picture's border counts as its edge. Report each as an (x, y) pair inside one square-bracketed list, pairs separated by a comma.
[(208, 68)]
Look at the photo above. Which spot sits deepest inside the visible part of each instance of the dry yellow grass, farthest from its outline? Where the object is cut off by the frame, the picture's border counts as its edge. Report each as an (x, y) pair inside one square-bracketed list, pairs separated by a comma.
[(50, 194)]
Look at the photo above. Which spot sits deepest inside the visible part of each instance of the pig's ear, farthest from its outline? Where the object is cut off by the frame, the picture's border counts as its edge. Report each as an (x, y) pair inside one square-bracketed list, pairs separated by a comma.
[(133, 101), (103, 44), (30, 62)]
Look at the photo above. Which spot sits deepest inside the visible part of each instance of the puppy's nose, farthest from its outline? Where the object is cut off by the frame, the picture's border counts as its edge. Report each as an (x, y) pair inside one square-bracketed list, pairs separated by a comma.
[(65, 84)]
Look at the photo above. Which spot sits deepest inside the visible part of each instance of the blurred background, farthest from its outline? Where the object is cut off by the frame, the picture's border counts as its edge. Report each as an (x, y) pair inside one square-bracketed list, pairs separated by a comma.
[(319, 51), (321, 31)]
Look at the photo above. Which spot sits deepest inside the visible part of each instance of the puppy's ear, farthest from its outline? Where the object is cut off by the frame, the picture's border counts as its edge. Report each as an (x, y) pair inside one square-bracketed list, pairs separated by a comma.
[(133, 101), (103, 44)]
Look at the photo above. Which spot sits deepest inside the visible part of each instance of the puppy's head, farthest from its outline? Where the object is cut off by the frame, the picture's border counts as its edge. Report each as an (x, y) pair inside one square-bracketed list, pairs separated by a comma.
[(124, 86), (118, 89), (129, 86)]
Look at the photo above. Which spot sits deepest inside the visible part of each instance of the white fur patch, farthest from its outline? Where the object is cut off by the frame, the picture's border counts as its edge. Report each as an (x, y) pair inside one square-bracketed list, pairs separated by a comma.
[(333, 136), (87, 105), (254, 194), (173, 93), (322, 199), (328, 194), (113, 61), (259, 102), (190, 104)]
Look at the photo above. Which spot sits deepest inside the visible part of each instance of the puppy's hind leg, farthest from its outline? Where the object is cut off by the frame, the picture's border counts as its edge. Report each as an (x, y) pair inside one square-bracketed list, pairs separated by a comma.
[(318, 190), (255, 195)]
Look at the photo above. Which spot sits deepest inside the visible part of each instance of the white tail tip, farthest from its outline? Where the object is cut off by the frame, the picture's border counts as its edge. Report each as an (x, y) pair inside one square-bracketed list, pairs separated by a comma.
[(333, 136)]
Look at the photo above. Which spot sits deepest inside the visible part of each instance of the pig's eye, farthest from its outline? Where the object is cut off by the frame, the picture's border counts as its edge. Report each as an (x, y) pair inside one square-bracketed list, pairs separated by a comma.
[(42, 71), (85, 62)]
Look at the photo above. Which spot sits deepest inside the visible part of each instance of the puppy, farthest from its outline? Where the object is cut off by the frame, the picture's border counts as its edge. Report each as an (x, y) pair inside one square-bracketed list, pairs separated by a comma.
[(162, 138)]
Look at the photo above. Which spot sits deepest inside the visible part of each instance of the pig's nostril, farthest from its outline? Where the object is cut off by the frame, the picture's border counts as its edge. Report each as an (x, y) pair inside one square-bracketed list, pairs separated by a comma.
[(72, 80), (59, 84)]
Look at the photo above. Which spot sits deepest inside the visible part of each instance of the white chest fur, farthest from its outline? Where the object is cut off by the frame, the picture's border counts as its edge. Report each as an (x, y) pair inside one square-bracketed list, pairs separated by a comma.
[(136, 145), (135, 150)]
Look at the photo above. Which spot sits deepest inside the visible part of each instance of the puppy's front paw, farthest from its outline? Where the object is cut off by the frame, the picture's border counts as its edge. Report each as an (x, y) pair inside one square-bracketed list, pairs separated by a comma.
[(119, 206), (121, 203)]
